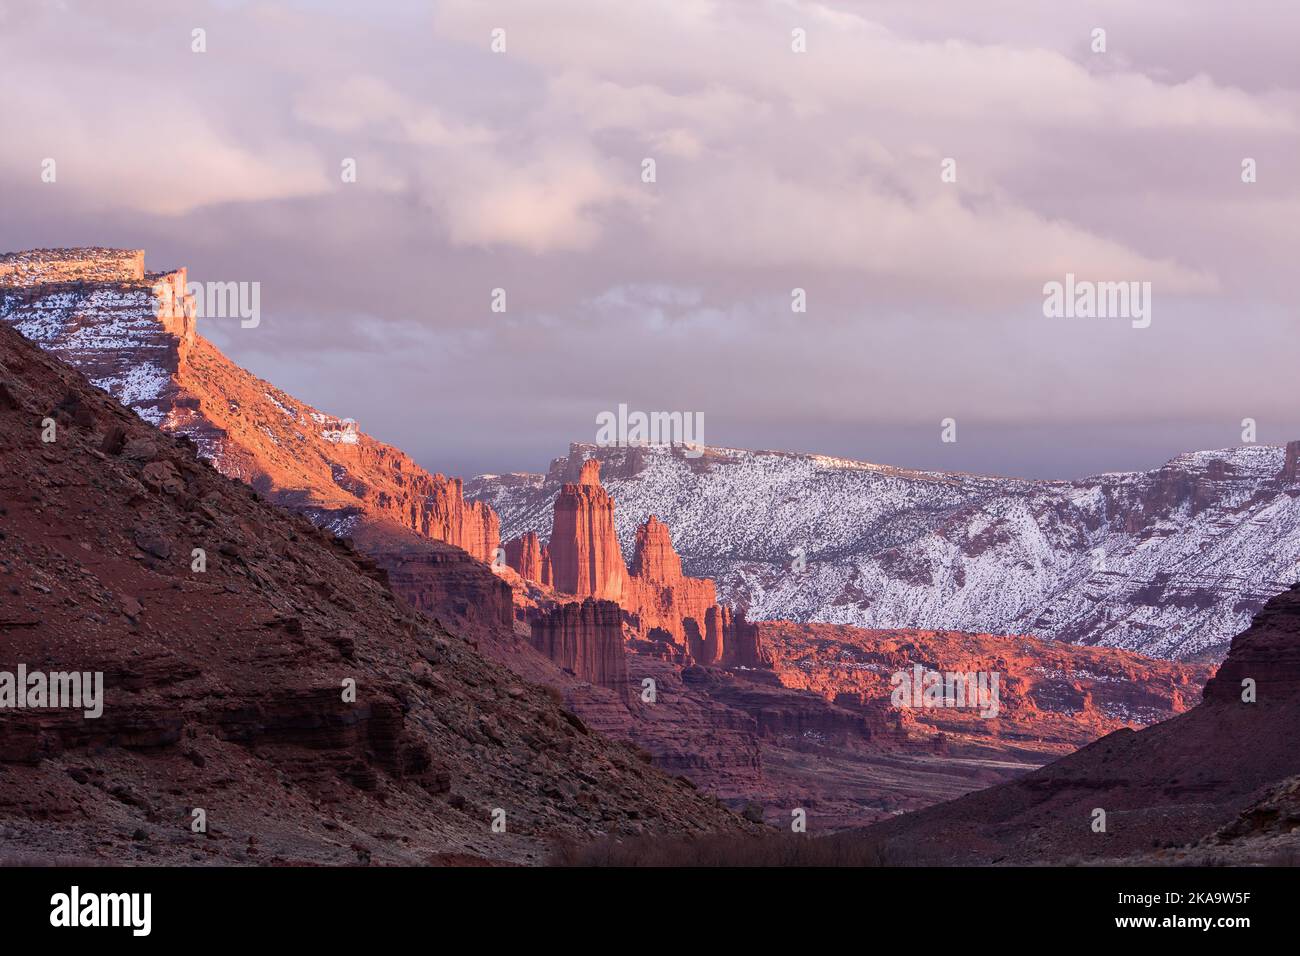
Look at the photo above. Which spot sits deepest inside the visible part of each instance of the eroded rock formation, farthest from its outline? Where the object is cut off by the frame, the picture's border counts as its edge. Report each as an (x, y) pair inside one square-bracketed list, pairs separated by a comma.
[(662, 596), (133, 334), (585, 639)]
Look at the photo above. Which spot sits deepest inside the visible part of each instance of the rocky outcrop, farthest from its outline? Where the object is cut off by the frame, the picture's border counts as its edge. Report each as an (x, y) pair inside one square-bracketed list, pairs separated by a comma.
[(585, 556), (1265, 658), (586, 560), (134, 335), (480, 529), (527, 556), (654, 558), (1265, 832), (742, 642), (128, 332), (444, 582), (55, 266), (280, 685), (1051, 695), (661, 596), (586, 639)]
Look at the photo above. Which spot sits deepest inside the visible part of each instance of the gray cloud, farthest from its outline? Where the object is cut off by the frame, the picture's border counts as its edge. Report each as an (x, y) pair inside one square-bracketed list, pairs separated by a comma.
[(775, 170)]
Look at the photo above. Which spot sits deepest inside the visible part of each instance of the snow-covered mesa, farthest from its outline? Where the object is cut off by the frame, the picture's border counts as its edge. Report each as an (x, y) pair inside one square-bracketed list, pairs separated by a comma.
[(1171, 562)]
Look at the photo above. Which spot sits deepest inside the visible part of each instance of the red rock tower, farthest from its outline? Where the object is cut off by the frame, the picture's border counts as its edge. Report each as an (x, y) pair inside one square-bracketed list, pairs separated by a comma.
[(526, 555), (662, 596), (655, 558), (585, 556)]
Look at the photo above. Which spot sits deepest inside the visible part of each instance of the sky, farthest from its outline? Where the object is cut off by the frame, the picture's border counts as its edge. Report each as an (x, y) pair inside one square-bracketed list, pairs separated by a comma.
[(795, 146)]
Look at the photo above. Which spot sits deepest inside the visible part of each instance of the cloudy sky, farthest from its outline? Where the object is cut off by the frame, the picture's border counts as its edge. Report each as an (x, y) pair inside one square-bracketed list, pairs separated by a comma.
[(774, 170)]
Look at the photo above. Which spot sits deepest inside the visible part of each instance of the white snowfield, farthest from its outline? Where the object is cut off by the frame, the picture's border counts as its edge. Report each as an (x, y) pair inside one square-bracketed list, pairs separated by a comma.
[(1171, 562), (111, 333)]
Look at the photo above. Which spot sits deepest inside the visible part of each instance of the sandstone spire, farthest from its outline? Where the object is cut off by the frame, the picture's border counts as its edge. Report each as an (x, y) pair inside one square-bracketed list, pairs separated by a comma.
[(654, 558), (585, 556), (526, 555)]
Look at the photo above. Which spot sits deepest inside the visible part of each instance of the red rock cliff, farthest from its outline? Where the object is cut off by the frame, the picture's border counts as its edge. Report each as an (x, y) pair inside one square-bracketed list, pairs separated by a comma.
[(585, 559), (587, 639), (742, 642)]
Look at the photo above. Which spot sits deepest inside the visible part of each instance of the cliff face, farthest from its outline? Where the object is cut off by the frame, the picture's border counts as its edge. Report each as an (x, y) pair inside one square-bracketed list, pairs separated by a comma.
[(128, 332), (317, 463), (585, 639), (587, 561), (742, 642), (133, 334), (440, 580), (527, 556), (662, 596)]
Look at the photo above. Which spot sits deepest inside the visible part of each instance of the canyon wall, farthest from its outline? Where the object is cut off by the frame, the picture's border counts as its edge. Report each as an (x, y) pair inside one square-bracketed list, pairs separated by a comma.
[(224, 684), (661, 596)]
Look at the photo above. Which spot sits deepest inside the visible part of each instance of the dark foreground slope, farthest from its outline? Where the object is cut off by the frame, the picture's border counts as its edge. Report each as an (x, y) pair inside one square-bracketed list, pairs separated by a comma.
[(1208, 776), (224, 687)]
